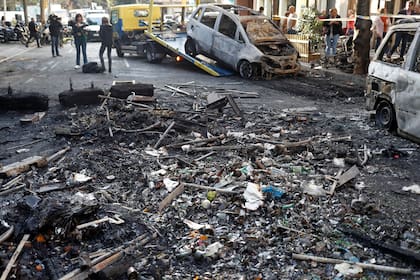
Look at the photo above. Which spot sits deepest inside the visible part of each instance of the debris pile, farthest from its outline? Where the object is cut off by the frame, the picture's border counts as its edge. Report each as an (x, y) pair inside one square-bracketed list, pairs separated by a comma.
[(197, 182)]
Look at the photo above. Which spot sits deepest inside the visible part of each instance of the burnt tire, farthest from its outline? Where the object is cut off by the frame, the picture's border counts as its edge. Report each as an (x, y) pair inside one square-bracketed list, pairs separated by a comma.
[(190, 48), (247, 70), (385, 116)]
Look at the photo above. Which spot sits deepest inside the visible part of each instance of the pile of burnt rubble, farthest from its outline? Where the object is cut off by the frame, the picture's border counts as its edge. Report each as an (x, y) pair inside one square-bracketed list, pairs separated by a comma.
[(197, 184)]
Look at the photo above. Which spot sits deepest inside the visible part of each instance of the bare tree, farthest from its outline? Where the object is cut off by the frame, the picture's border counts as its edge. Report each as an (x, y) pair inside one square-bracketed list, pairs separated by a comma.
[(362, 37)]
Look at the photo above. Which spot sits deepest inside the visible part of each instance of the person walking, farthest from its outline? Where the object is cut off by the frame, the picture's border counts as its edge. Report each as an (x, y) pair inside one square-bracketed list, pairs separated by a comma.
[(33, 32), (55, 30), (333, 30), (105, 33), (79, 34)]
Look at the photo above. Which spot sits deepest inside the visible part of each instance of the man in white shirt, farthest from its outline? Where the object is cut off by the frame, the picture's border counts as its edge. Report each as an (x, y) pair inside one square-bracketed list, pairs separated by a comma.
[(292, 20)]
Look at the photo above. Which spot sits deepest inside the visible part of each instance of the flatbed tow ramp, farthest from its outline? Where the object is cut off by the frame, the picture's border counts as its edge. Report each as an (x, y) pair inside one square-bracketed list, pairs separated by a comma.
[(174, 43)]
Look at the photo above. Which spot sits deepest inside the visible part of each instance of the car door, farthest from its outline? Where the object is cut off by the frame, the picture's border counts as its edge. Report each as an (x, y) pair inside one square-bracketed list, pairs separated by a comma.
[(227, 41), (407, 103), (203, 31)]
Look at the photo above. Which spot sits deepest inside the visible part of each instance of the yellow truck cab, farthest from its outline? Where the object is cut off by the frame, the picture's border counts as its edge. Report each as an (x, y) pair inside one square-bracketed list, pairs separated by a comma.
[(131, 21)]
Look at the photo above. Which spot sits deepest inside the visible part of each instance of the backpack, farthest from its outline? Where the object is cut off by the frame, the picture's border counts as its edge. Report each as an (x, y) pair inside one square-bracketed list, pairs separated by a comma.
[(92, 67)]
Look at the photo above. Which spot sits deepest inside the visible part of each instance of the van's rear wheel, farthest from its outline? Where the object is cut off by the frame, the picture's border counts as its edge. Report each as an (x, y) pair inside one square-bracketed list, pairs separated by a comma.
[(247, 70), (385, 116)]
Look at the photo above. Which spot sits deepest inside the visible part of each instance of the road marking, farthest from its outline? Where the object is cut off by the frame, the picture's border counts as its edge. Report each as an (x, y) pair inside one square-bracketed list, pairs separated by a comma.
[(50, 62), (29, 80), (55, 64), (12, 56), (43, 68), (126, 63)]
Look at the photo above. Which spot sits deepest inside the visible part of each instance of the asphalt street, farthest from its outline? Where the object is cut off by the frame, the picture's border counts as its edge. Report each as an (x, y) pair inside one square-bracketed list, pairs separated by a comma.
[(34, 69)]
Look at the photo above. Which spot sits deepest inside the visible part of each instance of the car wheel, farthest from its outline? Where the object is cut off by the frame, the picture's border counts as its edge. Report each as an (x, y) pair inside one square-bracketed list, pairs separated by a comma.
[(247, 70), (385, 115), (190, 48)]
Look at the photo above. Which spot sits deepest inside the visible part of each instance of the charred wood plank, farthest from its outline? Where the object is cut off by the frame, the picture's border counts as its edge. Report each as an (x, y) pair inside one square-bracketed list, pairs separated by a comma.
[(87, 96), (24, 102)]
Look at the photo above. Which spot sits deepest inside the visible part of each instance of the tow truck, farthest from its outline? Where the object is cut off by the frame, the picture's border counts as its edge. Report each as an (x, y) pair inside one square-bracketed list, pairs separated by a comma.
[(139, 29)]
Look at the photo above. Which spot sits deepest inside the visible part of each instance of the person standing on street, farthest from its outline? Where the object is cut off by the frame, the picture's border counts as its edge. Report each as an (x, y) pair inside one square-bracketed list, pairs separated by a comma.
[(292, 20), (105, 33), (33, 32), (55, 29), (402, 37), (79, 35), (333, 30)]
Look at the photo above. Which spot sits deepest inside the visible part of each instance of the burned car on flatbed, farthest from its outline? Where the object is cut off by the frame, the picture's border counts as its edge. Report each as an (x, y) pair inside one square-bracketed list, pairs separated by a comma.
[(241, 39), (393, 83)]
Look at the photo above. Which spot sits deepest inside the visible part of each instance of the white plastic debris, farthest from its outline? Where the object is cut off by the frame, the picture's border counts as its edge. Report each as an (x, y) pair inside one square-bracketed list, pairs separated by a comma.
[(195, 226), (339, 162), (80, 178), (313, 189), (348, 269), (186, 148), (158, 172), (253, 196), (205, 203), (213, 249), (360, 186), (110, 177), (269, 147), (170, 184), (413, 188)]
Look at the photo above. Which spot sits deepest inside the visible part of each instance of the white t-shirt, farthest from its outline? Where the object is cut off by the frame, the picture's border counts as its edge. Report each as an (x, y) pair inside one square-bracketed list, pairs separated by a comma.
[(292, 18)]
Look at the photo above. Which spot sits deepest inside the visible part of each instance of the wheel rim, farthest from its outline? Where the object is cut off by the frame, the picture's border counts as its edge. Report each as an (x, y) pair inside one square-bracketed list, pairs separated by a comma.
[(385, 116), (245, 70), (190, 48)]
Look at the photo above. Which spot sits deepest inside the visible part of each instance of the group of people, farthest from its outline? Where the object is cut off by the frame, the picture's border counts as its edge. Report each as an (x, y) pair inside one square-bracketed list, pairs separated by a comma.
[(80, 41), (80, 38)]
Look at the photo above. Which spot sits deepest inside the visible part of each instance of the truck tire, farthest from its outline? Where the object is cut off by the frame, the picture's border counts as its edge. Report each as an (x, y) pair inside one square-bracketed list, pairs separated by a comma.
[(385, 116), (152, 55), (190, 48), (118, 49)]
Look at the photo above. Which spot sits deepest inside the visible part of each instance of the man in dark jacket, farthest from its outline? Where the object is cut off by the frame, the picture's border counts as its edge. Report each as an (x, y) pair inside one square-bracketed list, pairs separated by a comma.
[(55, 29), (332, 29), (33, 32), (105, 33)]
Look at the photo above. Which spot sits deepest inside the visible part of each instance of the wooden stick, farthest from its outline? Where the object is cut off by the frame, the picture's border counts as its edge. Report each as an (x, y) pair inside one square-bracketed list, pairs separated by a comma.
[(105, 100), (155, 125), (14, 257), (7, 234), (210, 188), (204, 156), (176, 192), (164, 135), (178, 90), (27, 144), (198, 141), (58, 154), (12, 182), (384, 268)]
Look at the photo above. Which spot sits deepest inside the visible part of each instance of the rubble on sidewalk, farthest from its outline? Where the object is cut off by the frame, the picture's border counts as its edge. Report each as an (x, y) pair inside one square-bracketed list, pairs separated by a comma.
[(183, 189)]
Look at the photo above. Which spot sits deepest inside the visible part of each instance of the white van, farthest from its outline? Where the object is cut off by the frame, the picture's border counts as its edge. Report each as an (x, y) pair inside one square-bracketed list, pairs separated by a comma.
[(393, 84)]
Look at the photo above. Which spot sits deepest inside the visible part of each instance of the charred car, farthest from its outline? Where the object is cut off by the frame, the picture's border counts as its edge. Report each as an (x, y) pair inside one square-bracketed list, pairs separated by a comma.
[(242, 39), (393, 84)]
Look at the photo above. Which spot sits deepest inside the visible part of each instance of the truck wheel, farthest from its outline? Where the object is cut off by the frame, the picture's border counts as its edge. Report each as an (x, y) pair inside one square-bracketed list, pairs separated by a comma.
[(247, 70), (190, 48), (385, 116), (153, 56)]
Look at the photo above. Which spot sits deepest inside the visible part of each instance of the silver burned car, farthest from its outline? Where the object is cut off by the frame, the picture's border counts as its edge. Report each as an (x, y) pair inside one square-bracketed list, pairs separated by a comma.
[(241, 39), (393, 83)]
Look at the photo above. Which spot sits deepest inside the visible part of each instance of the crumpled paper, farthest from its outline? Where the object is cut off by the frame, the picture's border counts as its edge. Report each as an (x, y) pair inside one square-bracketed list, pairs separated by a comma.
[(253, 196)]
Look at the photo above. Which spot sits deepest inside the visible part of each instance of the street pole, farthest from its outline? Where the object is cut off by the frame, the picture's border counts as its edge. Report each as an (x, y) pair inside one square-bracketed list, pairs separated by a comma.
[(5, 8), (25, 11)]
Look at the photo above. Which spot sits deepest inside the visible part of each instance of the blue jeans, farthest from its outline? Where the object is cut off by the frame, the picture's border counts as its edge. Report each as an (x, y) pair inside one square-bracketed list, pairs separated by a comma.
[(331, 42), (54, 45), (80, 42)]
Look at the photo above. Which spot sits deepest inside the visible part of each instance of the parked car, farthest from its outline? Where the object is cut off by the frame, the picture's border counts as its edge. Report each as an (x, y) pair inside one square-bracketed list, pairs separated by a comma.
[(242, 39), (94, 21), (393, 84)]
